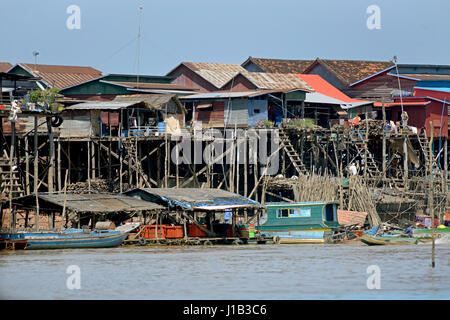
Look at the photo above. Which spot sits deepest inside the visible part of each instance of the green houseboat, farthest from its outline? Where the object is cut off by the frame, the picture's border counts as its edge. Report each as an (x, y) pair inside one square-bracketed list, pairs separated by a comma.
[(303, 222)]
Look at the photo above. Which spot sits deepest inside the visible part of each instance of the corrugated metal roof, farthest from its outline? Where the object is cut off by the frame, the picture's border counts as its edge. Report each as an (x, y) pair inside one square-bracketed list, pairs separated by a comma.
[(195, 198), (103, 105), (227, 94), (90, 202), (5, 66), (422, 76), (276, 81), (216, 73), (153, 101), (316, 97), (351, 71), (443, 89), (279, 65), (61, 76), (320, 85), (143, 85)]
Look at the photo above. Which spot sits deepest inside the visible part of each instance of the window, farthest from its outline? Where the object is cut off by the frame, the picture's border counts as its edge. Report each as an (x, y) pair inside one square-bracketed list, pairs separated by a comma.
[(295, 213), (283, 213), (305, 212), (256, 111), (329, 212)]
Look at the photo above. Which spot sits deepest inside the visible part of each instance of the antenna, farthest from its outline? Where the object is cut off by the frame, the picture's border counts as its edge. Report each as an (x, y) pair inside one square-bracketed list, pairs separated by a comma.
[(35, 54), (394, 60), (139, 44)]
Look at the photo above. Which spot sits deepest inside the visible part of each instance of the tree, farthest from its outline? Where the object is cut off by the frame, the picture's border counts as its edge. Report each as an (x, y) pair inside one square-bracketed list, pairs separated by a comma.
[(45, 98)]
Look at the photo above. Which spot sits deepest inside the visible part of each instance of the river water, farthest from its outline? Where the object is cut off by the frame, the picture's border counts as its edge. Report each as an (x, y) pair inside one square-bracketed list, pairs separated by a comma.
[(229, 272)]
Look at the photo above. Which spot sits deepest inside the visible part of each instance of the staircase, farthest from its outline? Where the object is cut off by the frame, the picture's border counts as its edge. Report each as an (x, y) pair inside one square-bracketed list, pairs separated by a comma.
[(360, 144), (292, 153), (131, 157), (10, 181), (425, 146)]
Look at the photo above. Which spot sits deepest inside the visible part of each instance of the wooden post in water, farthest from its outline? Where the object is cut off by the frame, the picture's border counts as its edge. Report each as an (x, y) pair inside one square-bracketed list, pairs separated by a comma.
[(431, 204), (384, 143)]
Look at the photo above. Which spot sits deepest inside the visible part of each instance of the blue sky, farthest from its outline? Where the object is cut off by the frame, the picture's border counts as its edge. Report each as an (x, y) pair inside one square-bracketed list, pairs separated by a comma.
[(221, 31)]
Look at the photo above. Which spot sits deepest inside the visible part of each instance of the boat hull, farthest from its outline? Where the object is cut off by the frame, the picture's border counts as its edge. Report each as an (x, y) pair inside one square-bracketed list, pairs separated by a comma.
[(69, 239), (73, 243), (386, 240), (300, 236)]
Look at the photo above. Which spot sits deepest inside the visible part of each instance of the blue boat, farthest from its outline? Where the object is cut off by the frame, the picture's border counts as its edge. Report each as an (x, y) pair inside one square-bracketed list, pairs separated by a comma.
[(304, 222), (68, 239)]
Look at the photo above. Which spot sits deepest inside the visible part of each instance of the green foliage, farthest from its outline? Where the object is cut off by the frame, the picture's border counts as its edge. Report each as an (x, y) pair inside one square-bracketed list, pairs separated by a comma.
[(46, 98), (301, 123), (265, 124)]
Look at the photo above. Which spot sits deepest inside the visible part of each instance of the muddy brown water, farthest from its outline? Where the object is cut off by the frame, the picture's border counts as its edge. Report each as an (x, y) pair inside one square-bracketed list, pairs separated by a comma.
[(228, 272)]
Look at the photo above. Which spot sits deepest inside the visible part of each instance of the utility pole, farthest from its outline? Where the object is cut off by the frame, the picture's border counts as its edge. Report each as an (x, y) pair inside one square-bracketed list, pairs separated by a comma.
[(139, 44), (431, 204)]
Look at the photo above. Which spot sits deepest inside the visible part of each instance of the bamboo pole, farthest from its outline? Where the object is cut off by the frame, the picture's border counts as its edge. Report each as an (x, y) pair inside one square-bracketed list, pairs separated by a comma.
[(27, 166), (64, 217), (431, 204)]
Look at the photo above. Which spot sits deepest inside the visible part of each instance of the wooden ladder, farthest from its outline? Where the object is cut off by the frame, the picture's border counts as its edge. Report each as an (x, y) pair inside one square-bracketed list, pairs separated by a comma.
[(131, 157), (425, 146), (363, 151), (10, 181), (292, 153)]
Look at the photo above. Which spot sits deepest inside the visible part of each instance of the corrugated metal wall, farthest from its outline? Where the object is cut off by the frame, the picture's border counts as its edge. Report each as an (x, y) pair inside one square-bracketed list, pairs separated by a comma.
[(77, 124), (257, 111), (236, 112)]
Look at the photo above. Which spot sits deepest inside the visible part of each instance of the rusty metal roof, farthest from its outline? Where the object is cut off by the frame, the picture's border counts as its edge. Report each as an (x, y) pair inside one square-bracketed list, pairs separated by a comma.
[(194, 198), (227, 94), (276, 81), (61, 76), (279, 65), (351, 71), (216, 73), (89, 202), (5, 66), (153, 101)]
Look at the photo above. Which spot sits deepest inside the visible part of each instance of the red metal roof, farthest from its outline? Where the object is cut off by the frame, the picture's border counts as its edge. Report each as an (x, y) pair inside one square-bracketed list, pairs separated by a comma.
[(405, 103), (61, 76), (322, 86)]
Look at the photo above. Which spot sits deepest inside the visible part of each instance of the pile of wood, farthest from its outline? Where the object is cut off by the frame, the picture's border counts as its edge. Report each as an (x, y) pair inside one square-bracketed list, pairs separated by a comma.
[(98, 185), (375, 126)]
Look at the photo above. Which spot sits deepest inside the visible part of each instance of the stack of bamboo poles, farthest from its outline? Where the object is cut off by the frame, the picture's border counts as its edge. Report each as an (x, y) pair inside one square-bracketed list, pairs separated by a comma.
[(361, 199), (313, 187)]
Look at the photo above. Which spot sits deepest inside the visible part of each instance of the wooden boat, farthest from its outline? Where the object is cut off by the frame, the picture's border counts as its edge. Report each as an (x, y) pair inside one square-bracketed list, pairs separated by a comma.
[(69, 238), (303, 222), (375, 240)]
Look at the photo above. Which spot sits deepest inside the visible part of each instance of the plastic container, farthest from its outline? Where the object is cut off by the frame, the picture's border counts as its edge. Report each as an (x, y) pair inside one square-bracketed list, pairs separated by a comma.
[(195, 231), (148, 231), (161, 127), (174, 232), (251, 231), (243, 231)]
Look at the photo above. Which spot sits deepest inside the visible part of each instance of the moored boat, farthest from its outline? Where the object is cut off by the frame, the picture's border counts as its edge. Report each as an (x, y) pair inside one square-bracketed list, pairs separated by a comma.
[(374, 240), (304, 222), (68, 238)]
